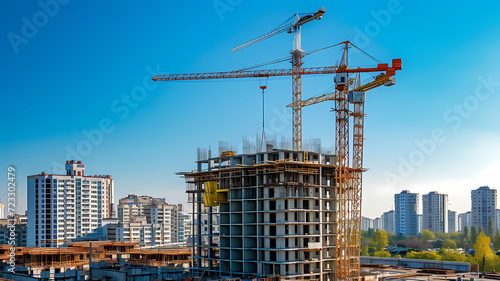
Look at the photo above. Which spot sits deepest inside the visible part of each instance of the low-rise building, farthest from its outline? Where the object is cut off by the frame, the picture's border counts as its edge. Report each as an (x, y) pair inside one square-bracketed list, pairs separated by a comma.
[(14, 231)]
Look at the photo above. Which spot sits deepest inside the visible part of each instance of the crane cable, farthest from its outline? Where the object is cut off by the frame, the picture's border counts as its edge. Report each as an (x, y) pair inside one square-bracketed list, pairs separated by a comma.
[(263, 87), (305, 54)]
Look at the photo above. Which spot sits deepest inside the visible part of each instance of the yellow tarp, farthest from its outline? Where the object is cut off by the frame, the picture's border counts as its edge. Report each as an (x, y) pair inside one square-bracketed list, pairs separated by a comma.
[(210, 196), (222, 196)]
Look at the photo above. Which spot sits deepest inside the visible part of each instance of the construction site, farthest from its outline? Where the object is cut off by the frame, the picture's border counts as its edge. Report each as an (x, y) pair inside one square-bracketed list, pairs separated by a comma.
[(88, 260), (285, 211)]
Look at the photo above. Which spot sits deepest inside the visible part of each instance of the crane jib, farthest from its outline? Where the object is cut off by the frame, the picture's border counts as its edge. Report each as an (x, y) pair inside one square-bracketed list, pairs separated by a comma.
[(396, 65)]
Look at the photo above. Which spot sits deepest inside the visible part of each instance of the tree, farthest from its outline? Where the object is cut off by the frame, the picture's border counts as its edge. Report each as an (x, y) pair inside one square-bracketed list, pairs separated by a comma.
[(473, 234), (382, 254), (433, 256), (416, 243), (466, 233), (479, 230), (391, 237), (455, 235), (438, 244), (492, 263), (371, 250), (496, 242), (364, 251), (427, 235), (370, 233), (453, 255), (449, 244), (380, 239), (482, 248), (441, 235), (366, 241), (491, 232)]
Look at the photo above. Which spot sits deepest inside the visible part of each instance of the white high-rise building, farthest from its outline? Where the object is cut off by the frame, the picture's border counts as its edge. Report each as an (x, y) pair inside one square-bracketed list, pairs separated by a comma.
[(132, 206), (185, 224), (139, 211), (420, 222), (452, 221), (464, 219), (377, 223), (388, 222), (64, 207), (484, 204), (406, 213), (435, 212), (366, 223)]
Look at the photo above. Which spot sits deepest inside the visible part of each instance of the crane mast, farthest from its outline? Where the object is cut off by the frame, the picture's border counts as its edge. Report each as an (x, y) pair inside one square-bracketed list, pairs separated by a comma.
[(295, 29), (297, 96)]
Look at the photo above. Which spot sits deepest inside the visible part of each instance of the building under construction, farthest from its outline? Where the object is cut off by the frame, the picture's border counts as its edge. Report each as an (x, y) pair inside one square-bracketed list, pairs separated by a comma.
[(264, 214), (291, 212)]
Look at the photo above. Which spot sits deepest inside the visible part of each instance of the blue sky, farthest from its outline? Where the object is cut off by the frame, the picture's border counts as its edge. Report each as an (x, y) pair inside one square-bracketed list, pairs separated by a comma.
[(69, 70)]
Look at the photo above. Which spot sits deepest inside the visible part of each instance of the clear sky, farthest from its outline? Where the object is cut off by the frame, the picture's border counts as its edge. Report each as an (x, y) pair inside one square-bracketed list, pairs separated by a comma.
[(75, 85)]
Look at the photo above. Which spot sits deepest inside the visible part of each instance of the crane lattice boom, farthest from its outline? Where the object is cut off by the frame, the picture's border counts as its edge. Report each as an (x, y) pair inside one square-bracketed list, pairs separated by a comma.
[(396, 64)]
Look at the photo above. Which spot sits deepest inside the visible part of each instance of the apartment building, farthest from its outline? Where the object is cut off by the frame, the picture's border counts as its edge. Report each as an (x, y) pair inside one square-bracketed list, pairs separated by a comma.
[(64, 207), (464, 219), (452, 221), (149, 221), (389, 221), (377, 223), (435, 212), (406, 213), (366, 223), (15, 227), (484, 204)]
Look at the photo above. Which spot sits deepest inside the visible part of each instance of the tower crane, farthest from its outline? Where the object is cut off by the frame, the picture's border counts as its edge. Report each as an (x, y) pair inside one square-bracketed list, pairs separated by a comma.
[(348, 179), (294, 28)]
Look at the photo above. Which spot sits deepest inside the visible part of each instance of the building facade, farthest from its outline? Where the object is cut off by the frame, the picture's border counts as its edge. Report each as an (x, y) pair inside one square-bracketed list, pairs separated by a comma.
[(64, 207), (435, 212), (484, 204), (452, 221), (389, 221), (406, 213), (276, 213), (14, 230), (166, 222), (146, 235), (464, 219), (366, 223), (377, 223), (496, 227)]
